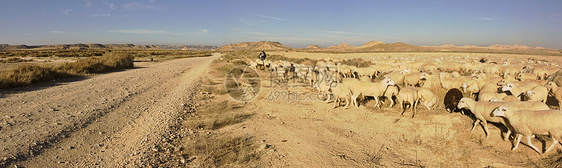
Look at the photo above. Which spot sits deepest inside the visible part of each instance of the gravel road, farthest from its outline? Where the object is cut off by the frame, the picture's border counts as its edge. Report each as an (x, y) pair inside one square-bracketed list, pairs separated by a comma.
[(104, 120)]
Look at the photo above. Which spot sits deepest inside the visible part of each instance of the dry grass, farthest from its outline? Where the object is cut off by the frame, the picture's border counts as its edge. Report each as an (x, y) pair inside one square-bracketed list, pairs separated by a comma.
[(27, 74)]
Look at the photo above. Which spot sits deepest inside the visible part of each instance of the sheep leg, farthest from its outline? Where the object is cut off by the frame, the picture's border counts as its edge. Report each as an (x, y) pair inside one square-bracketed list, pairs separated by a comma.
[(474, 125), (507, 134), (329, 97), (354, 100), (391, 101), (346, 102), (554, 142), (528, 142), (516, 141), (414, 108), (377, 102), (485, 126), (336, 102)]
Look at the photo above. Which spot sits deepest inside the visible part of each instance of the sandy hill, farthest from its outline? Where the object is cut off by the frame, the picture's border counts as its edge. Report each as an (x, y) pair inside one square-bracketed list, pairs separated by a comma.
[(399, 46), (342, 46), (314, 47), (260, 45), (502, 46), (371, 44)]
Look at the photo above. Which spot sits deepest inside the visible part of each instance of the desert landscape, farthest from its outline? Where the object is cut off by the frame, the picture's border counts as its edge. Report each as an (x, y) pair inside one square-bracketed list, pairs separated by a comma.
[(175, 108), (315, 83)]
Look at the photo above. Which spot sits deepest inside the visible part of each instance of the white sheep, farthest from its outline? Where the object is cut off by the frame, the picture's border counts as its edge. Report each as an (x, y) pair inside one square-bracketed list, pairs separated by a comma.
[(397, 77), (525, 77), (342, 91), (482, 111), (556, 92), (538, 93), (518, 90), (408, 96), (375, 89), (427, 98), (532, 122), (391, 91), (414, 78)]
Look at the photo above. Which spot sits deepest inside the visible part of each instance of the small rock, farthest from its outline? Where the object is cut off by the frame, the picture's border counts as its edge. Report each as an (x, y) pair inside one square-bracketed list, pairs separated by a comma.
[(284, 140)]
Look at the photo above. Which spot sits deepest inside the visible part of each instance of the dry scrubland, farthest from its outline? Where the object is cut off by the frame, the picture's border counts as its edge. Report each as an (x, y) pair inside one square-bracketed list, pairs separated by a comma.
[(26, 67), (288, 132), (214, 130)]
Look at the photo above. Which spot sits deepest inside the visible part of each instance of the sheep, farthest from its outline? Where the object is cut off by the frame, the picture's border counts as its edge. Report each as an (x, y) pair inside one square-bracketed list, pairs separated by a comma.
[(487, 96), (470, 87), (414, 78), (369, 72), (538, 93), (451, 99), (390, 93), (342, 90), (556, 92), (376, 90), (467, 67), (427, 98), (483, 109), (540, 73), (408, 95), (431, 81), (525, 77), (556, 77), (532, 122), (518, 90), (397, 77), (447, 82)]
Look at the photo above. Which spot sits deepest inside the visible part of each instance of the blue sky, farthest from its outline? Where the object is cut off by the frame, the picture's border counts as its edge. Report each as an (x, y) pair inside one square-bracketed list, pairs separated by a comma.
[(294, 23)]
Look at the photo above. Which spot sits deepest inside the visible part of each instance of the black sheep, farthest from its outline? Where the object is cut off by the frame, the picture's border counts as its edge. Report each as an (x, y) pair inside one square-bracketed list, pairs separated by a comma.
[(451, 99)]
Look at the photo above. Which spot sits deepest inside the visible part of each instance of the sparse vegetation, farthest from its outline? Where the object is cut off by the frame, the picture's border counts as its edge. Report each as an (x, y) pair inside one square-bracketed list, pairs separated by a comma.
[(89, 61), (28, 74)]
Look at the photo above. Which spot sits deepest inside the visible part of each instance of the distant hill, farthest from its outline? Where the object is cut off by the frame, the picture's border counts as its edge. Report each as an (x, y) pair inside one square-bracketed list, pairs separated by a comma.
[(108, 46), (371, 44), (260, 45), (313, 47), (342, 46)]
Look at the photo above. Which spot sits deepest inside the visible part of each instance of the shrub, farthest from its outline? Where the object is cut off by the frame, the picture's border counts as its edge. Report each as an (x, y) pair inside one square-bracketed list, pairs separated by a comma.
[(28, 74), (25, 75)]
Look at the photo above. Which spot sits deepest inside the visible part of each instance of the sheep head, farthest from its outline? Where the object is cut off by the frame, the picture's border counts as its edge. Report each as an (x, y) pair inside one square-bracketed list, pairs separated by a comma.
[(462, 103), (500, 111), (507, 87)]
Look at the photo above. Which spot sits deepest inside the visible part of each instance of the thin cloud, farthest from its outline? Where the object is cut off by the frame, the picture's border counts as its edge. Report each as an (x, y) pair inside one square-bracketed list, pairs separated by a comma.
[(109, 5), (342, 32), (203, 31), (88, 4), (57, 32), (100, 15), (142, 31), (486, 18), (66, 12), (269, 17), (137, 6), (160, 32)]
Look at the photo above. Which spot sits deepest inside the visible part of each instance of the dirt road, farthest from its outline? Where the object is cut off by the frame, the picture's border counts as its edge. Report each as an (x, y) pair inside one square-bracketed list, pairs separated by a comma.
[(105, 120)]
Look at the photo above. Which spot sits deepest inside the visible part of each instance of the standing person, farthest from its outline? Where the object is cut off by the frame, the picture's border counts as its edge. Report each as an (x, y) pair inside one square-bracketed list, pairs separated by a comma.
[(262, 58)]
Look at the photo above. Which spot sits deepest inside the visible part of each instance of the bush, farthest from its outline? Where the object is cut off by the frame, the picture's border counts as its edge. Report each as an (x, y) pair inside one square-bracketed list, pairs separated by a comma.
[(25, 75), (28, 74), (97, 65)]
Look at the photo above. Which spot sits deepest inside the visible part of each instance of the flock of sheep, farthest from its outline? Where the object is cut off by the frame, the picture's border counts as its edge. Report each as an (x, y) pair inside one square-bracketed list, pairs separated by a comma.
[(510, 92)]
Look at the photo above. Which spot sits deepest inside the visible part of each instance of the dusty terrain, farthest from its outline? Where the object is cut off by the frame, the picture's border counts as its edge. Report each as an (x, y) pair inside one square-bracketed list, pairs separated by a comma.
[(107, 120), (124, 118)]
